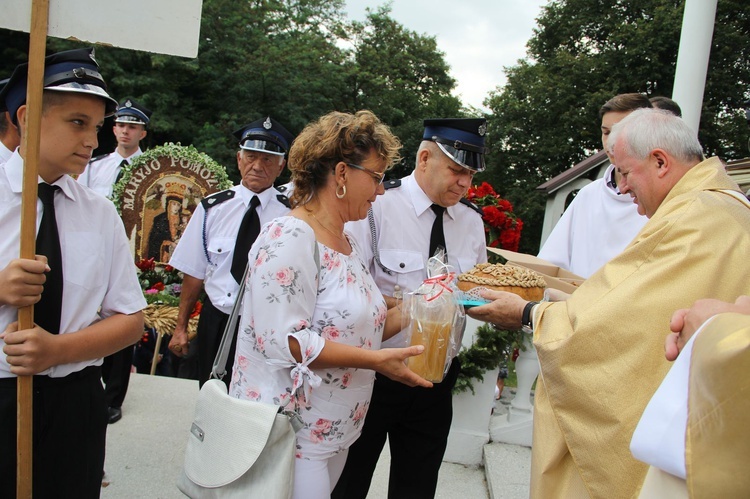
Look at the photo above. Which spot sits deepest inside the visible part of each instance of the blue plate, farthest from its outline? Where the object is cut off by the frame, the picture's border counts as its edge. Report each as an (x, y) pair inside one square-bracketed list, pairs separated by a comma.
[(472, 303)]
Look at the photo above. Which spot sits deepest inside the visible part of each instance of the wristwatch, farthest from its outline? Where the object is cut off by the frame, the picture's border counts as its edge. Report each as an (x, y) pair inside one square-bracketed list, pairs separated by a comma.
[(526, 325)]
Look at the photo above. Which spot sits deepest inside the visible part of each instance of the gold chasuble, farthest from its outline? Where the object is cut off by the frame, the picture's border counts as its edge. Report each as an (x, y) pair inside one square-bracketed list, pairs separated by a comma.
[(717, 446), (602, 351)]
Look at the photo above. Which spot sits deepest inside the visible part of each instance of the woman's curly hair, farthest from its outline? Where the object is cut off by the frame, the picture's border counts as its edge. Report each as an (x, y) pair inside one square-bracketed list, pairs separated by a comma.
[(337, 137)]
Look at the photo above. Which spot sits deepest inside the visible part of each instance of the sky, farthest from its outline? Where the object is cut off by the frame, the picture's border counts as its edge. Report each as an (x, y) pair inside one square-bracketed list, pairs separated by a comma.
[(478, 37)]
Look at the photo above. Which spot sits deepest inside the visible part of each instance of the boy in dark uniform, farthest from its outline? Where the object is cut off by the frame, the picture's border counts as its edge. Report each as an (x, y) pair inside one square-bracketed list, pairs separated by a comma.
[(86, 296)]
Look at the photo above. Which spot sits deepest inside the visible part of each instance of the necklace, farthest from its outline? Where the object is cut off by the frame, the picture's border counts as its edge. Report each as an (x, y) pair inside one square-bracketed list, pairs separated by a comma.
[(340, 237)]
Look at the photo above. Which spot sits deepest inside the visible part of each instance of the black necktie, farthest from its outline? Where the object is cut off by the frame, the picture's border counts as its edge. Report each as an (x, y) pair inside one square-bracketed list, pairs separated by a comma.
[(437, 236), (249, 230), (120, 173), (47, 311)]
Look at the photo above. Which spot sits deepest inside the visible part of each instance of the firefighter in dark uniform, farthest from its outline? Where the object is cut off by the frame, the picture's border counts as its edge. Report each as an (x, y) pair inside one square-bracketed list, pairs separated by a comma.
[(212, 252)]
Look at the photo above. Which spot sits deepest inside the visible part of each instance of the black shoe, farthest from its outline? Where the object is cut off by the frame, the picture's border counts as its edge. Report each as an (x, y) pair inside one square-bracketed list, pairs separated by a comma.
[(115, 414)]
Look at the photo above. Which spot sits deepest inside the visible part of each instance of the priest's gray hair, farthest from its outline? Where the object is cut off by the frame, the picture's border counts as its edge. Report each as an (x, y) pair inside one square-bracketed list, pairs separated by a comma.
[(644, 130)]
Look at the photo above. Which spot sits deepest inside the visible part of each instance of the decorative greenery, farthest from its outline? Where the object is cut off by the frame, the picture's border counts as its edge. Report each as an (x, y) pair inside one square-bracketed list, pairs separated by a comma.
[(490, 348), (177, 152), (162, 284)]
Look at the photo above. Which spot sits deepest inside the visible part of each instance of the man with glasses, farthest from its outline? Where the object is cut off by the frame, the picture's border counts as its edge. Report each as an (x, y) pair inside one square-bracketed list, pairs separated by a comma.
[(213, 250), (418, 216)]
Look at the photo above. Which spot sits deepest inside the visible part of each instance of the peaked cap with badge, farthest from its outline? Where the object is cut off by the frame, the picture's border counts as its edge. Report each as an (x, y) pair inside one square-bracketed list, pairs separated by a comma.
[(265, 135), (73, 71), (133, 112), (461, 139)]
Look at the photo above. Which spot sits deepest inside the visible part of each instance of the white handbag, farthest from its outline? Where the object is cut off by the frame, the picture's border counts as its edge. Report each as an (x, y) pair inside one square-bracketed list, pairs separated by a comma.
[(237, 448)]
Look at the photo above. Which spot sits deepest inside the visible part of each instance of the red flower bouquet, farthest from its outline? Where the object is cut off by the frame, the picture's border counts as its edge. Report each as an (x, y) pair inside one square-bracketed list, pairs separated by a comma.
[(501, 226)]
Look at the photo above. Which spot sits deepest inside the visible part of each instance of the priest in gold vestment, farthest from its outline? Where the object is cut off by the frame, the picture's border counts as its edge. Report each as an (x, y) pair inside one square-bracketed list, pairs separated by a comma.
[(601, 350)]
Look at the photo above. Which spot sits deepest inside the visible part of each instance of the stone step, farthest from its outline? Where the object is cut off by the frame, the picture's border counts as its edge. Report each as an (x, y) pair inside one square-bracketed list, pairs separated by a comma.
[(507, 470)]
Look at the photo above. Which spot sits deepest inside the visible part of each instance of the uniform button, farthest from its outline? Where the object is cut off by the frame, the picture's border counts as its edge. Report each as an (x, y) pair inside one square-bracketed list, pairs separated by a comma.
[(229, 294), (219, 250), (402, 265)]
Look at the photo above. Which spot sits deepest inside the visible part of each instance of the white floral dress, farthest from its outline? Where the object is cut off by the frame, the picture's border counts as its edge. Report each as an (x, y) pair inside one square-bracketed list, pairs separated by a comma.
[(286, 296)]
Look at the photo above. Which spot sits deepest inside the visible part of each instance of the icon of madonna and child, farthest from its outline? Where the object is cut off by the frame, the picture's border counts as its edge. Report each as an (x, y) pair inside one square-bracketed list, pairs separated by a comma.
[(173, 202)]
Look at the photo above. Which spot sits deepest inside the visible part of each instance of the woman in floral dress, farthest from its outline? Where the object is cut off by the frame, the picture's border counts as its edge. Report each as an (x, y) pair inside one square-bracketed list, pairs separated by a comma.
[(313, 319)]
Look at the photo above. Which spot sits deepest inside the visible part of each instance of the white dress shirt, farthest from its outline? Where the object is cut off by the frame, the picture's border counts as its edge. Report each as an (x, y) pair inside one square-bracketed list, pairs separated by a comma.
[(5, 153), (101, 174), (98, 270), (403, 221), (221, 229), (595, 228)]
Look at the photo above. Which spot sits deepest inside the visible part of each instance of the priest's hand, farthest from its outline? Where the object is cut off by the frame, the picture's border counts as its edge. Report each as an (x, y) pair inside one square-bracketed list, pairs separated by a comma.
[(504, 311), (685, 322)]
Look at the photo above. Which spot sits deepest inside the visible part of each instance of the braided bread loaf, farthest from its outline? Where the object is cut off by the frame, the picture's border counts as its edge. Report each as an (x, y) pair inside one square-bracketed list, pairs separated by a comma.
[(517, 280)]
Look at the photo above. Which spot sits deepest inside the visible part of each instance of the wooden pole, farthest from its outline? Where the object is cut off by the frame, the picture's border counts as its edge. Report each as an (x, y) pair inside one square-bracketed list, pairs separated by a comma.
[(157, 348), (37, 46)]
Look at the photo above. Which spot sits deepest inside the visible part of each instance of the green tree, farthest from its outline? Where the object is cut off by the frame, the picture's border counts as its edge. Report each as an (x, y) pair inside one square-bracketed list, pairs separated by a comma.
[(399, 75), (292, 59), (584, 52)]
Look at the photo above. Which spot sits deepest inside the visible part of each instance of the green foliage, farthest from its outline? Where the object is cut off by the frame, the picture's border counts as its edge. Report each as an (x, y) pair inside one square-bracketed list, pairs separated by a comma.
[(399, 75), (491, 346), (294, 60), (177, 152), (584, 52)]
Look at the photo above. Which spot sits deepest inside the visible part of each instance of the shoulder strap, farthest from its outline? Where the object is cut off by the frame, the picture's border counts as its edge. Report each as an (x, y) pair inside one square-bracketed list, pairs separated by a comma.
[(218, 370), (390, 184), (217, 198), (283, 200), (471, 205), (98, 158)]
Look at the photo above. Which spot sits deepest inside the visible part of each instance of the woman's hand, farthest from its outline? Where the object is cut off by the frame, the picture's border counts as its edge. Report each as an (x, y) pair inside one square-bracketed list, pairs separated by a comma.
[(390, 363)]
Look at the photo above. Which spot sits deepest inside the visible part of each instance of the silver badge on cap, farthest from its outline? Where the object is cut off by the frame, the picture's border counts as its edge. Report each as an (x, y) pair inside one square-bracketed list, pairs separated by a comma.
[(128, 103), (267, 124), (91, 56), (482, 129)]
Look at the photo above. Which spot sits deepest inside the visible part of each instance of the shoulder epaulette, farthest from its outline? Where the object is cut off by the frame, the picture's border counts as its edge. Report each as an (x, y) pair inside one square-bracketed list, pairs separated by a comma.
[(97, 158), (472, 206), (217, 198), (283, 200), (390, 184)]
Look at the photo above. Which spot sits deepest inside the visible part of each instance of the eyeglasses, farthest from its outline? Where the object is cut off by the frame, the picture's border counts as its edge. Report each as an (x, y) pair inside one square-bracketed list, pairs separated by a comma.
[(377, 176)]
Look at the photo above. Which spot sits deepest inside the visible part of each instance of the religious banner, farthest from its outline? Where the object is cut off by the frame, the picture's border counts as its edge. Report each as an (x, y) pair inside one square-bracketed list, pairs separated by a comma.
[(158, 193)]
